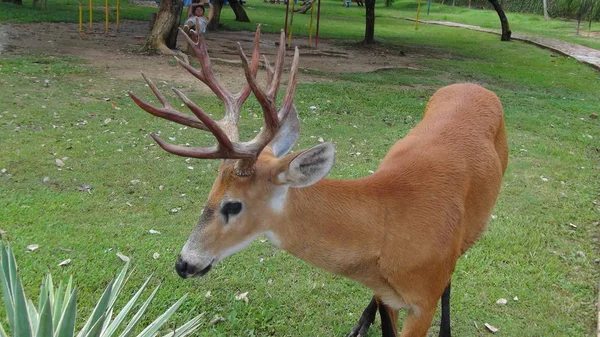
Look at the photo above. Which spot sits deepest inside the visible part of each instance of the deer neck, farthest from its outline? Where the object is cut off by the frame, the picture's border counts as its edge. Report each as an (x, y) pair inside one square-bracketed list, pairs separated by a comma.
[(337, 225)]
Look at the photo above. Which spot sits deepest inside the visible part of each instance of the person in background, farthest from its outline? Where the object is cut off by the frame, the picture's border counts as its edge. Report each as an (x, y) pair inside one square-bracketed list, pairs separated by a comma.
[(197, 15)]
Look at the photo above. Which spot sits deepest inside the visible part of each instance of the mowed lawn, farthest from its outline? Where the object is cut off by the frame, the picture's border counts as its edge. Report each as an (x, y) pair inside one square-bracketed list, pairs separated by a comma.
[(540, 252)]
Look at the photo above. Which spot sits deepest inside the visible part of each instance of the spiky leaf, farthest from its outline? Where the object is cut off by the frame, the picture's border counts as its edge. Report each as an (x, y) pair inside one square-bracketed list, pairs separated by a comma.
[(98, 312), (2, 333), (110, 330), (136, 318), (66, 325), (151, 329), (22, 324), (45, 327)]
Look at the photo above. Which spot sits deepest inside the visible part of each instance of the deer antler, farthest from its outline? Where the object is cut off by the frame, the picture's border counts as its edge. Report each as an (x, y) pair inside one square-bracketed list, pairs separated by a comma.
[(226, 129)]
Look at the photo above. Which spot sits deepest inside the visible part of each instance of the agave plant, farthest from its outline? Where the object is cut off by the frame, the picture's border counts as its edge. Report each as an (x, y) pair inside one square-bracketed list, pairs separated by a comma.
[(56, 311)]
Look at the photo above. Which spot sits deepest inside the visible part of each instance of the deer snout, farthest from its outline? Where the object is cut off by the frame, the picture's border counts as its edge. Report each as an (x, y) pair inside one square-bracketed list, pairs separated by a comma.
[(187, 269)]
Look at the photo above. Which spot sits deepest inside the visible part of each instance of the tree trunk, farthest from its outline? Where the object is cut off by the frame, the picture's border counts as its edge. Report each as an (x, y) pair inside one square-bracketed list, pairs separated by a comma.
[(370, 24), (506, 33), (236, 6), (579, 16), (216, 19), (591, 19), (164, 33), (238, 10), (546, 16)]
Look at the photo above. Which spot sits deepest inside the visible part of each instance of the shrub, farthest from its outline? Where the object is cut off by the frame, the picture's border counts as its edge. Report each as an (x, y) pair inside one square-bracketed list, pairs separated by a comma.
[(55, 314)]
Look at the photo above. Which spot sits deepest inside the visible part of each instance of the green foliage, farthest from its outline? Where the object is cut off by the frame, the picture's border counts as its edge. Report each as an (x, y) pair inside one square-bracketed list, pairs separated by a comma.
[(569, 9), (56, 313)]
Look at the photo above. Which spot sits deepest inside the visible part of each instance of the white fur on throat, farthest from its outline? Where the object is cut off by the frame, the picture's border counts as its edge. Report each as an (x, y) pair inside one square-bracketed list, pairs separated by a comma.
[(277, 202)]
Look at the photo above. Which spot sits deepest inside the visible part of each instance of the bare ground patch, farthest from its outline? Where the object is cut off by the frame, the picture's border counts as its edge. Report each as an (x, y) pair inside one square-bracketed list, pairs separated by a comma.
[(117, 54)]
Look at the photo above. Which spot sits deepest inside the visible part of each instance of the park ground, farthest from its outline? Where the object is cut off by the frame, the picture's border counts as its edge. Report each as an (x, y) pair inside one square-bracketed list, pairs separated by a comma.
[(82, 179)]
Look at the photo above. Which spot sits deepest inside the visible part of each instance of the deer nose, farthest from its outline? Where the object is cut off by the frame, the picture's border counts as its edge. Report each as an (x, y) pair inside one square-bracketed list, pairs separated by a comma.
[(183, 269)]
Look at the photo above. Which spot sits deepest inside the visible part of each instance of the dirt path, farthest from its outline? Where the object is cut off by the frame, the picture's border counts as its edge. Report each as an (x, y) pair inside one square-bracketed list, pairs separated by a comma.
[(580, 53), (116, 52)]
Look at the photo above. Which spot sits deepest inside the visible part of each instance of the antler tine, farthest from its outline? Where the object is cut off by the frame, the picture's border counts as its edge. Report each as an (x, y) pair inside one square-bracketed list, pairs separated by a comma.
[(266, 102), (213, 152), (167, 112), (245, 92), (207, 76), (191, 70), (225, 130), (211, 125), (273, 84), (269, 69), (266, 135), (288, 100)]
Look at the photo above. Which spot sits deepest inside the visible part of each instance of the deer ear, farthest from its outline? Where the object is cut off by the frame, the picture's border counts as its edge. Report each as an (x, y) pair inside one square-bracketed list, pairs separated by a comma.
[(309, 166), (287, 136)]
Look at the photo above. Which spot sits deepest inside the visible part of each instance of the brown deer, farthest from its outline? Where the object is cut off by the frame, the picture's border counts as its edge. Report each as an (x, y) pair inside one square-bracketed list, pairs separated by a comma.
[(399, 231)]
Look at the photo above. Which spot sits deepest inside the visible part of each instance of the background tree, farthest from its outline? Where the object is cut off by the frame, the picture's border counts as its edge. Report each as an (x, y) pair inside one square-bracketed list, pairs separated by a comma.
[(546, 15), (586, 8), (506, 33), (18, 2), (370, 22), (163, 37), (236, 6)]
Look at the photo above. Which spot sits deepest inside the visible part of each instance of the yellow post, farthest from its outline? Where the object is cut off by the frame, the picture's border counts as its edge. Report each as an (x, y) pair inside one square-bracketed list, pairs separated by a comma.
[(118, 12), (91, 5), (291, 24), (106, 17), (418, 11), (80, 16), (310, 29)]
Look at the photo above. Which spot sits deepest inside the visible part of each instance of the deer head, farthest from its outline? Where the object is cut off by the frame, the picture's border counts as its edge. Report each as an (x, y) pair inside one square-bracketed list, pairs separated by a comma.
[(248, 195)]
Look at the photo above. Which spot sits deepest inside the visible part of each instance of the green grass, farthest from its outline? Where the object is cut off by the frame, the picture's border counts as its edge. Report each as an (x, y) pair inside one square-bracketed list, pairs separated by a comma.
[(520, 23), (68, 11), (389, 21), (530, 250)]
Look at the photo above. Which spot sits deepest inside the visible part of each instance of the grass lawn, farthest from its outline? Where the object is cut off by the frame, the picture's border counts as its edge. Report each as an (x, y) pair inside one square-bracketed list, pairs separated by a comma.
[(539, 252), (521, 23)]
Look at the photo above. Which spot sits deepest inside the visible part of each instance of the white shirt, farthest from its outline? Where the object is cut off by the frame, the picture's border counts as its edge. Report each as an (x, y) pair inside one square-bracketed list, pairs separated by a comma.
[(203, 22)]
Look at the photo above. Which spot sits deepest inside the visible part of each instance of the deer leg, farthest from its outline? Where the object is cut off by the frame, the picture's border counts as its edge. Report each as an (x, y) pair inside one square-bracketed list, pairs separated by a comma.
[(366, 319), (417, 323), (389, 320), (445, 323)]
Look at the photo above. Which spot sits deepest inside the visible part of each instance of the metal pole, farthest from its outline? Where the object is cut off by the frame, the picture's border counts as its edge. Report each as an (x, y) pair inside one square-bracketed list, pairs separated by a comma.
[(428, 7), (291, 24), (318, 21), (80, 16), (91, 5), (105, 16), (310, 29), (119, 12), (418, 11)]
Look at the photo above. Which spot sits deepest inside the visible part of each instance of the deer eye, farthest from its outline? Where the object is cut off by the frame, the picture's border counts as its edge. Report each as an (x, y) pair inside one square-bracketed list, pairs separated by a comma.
[(231, 208)]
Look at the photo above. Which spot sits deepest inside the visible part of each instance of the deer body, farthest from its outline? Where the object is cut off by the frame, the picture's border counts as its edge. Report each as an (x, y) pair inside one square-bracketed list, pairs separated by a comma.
[(399, 231)]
